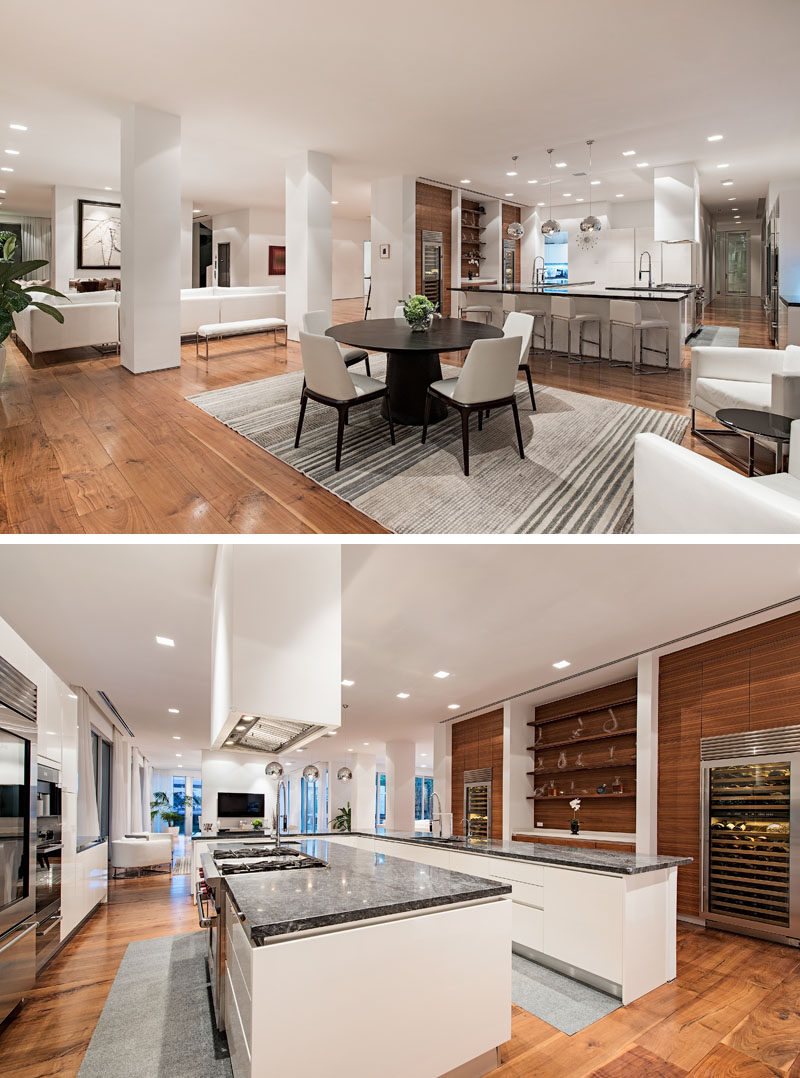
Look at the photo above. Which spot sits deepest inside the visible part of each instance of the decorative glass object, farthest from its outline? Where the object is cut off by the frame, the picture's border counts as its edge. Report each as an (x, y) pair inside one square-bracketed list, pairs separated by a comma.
[(274, 770), (344, 774), (562, 760), (550, 226), (610, 725), (616, 785), (311, 771), (515, 230), (579, 760), (590, 223)]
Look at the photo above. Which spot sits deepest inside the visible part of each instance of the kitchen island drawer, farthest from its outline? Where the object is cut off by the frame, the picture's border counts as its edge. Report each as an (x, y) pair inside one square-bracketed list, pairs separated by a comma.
[(237, 1041), (529, 894), (237, 942), (527, 926)]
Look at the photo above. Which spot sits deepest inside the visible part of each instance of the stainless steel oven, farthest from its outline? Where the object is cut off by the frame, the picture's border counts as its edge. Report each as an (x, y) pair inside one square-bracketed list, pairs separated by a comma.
[(48, 863), (17, 837)]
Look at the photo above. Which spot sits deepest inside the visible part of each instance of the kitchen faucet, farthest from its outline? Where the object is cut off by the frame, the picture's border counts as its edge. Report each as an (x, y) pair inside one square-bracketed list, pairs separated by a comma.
[(277, 817), (439, 817), (465, 819), (649, 268), (537, 280)]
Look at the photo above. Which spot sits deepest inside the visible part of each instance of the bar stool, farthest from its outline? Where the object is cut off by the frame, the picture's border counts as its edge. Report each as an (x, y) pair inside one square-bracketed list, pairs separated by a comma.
[(485, 311), (541, 320), (628, 313), (562, 308)]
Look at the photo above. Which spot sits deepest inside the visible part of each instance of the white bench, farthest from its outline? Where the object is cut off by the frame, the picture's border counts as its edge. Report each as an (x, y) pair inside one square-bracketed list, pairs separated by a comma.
[(229, 329)]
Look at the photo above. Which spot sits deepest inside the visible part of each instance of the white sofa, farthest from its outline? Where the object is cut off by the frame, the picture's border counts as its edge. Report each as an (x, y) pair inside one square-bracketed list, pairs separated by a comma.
[(143, 851), (678, 492), (93, 323), (204, 306), (765, 379)]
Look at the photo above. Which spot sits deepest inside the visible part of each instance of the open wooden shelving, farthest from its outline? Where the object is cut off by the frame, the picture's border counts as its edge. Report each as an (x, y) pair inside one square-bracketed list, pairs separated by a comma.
[(543, 745), (583, 797)]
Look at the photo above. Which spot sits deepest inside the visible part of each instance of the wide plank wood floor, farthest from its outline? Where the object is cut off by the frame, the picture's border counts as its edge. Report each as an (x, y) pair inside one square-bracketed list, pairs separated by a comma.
[(87, 447), (732, 1012)]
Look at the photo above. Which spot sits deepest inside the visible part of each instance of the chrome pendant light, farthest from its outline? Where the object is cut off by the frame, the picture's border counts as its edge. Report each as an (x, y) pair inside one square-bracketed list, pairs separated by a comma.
[(274, 770), (311, 771), (550, 226), (515, 229), (590, 223), (344, 774)]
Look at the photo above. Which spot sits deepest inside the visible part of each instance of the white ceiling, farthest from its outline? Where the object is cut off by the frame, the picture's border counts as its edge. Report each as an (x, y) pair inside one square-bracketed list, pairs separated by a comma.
[(451, 93), (496, 616)]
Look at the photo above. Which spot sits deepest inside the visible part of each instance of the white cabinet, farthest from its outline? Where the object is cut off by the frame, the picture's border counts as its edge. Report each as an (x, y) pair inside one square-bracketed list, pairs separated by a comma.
[(84, 882), (49, 721), (69, 737), (583, 920)]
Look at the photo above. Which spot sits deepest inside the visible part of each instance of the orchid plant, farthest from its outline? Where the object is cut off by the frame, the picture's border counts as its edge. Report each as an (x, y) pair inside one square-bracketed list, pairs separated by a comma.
[(575, 805)]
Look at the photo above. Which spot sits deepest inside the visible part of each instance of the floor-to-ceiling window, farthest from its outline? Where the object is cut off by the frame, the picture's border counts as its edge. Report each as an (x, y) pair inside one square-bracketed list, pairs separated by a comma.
[(101, 763), (380, 800), (309, 804), (423, 788)]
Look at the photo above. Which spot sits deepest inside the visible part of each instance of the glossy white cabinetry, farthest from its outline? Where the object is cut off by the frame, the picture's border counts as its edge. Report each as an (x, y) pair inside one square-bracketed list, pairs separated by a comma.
[(84, 884)]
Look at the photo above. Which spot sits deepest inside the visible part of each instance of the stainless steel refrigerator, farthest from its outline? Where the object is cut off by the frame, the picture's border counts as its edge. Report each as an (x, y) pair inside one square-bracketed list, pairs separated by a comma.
[(431, 255), (750, 841), (478, 804)]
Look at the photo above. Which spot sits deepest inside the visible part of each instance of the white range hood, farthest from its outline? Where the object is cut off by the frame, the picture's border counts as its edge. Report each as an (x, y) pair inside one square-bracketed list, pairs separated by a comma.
[(676, 204)]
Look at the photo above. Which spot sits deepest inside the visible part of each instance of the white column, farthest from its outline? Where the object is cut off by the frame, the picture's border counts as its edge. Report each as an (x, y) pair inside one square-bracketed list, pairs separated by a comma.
[(187, 236), (647, 755), (400, 775), (151, 240), (309, 281), (363, 807), (393, 228)]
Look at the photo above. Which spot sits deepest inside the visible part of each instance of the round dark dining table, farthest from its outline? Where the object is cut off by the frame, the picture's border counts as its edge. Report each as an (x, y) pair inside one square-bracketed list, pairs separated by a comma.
[(412, 359)]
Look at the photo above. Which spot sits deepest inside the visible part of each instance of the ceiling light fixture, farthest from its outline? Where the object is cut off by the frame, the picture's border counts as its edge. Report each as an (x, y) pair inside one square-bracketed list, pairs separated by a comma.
[(533, 181), (642, 164), (551, 225), (18, 127), (347, 682), (403, 695), (590, 223), (732, 198), (178, 755), (331, 733), (109, 189), (175, 737), (619, 196), (466, 181), (562, 664), (334, 202), (2, 191), (580, 199), (173, 711), (165, 641), (442, 673), (594, 183), (726, 165), (727, 183), (508, 194), (628, 153), (5, 168), (540, 203), (366, 743), (454, 707), (714, 138), (13, 153), (567, 194), (561, 164)]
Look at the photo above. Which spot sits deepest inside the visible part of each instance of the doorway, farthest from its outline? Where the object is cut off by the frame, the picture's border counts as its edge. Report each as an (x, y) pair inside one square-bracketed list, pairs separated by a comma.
[(733, 263), (224, 265)]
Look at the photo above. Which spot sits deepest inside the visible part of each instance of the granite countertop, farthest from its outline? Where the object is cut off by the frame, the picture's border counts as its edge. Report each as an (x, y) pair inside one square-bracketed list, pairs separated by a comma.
[(355, 886), (791, 300), (665, 295)]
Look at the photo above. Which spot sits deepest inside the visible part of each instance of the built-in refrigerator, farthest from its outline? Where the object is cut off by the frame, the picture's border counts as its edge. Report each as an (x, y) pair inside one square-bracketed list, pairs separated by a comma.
[(750, 849), (431, 262), (478, 803)]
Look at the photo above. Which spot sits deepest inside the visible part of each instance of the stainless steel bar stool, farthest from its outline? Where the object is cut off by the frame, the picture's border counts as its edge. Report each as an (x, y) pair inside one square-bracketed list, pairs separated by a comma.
[(563, 309), (483, 310), (541, 324), (628, 313)]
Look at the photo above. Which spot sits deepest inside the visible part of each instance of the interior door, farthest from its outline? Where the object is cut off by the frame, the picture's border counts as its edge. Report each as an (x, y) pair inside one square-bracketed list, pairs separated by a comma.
[(224, 265), (735, 275)]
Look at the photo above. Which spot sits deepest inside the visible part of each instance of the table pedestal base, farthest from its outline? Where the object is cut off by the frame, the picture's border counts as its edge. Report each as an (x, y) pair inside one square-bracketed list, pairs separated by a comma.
[(408, 378)]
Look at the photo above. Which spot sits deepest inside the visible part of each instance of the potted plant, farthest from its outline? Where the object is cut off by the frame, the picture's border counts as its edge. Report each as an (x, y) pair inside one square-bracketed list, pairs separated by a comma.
[(13, 297), (419, 312), (173, 820), (158, 805), (257, 825), (341, 821), (575, 805)]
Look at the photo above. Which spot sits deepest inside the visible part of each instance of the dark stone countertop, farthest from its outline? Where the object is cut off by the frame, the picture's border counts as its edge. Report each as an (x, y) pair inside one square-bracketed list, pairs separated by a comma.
[(656, 295), (356, 885), (791, 300)]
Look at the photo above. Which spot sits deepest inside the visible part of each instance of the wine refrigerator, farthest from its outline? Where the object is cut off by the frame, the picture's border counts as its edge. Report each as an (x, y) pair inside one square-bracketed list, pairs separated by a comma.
[(478, 804), (750, 802)]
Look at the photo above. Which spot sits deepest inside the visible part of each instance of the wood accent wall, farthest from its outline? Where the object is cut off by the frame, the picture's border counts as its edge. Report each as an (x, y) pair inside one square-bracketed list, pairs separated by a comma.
[(434, 215), (748, 680), (589, 713), (477, 743), (510, 214)]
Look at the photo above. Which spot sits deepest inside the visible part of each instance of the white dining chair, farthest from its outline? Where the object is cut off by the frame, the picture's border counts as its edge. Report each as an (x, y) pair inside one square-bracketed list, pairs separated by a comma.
[(487, 380), (329, 382), (317, 322), (520, 324)]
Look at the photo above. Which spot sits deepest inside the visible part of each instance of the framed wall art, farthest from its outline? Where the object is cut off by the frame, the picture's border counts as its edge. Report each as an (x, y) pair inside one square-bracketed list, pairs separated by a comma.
[(98, 235), (277, 261)]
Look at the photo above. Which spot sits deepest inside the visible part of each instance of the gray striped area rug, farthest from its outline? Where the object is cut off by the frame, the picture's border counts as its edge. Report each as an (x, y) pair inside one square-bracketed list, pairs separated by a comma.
[(577, 476)]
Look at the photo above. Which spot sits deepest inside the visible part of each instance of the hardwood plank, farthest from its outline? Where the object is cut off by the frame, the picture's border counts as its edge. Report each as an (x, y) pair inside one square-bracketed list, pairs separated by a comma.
[(725, 1062), (771, 1031), (638, 1061)]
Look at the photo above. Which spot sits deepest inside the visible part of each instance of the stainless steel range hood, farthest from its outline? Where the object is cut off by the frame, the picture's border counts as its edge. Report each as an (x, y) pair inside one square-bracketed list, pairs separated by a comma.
[(259, 733)]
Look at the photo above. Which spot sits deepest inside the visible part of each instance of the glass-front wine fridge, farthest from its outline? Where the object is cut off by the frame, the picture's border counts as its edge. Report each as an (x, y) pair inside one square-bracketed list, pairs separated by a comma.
[(750, 790), (478, 804)]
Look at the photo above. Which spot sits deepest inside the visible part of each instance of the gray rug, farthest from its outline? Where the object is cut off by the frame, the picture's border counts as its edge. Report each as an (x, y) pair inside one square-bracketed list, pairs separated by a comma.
[(561, 1002), (577, 475), (722, 336), (158, 1019)]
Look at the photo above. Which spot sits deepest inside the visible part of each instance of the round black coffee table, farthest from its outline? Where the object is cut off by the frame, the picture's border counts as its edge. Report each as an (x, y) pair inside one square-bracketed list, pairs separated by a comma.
[(412, 359), (754, 424)]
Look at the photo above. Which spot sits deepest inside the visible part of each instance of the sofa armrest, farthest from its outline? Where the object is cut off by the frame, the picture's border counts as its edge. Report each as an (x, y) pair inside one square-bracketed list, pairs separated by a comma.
[(736, 364), (786, 394), (794, 450), (676, 491)]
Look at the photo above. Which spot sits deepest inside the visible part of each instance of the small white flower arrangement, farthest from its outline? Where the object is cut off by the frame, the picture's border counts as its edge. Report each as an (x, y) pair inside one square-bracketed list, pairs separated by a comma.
[(575, 805)]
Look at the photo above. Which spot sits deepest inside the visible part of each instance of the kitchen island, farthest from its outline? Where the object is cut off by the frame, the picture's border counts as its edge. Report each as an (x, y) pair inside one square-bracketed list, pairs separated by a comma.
[(675, 306), (326, 967)]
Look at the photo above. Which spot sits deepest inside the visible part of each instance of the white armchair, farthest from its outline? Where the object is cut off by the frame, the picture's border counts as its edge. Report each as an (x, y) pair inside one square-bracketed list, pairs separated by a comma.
[(142, 851), (678, 492), (764, 379)]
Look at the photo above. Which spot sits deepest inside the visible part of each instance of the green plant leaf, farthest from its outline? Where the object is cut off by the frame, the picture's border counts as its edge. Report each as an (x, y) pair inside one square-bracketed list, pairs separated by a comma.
[(10, 270), (39, 288), (52, 311), (17, 301), (6, 325)]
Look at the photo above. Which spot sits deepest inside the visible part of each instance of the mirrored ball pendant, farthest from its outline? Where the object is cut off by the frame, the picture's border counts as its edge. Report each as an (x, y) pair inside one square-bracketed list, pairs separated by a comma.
[(591, 224), (311, 771), (550, 226), (515, 230), (344, 774), (274, 770)]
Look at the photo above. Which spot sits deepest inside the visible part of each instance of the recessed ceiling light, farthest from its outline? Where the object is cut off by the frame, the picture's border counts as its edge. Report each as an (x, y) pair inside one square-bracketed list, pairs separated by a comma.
[(561, 664), (178, 755), (454, 707), (13, 153), (734, 209), (5, 168), (540, 203), (594, 183), (466, 181), (727, 183), (107, 188), (579, 200), (230, 741), (165, 641), (533, 181), (18, 127), (331, 733), (628, 153), (173, 711), (298, 750), (403, 695), (175, 737), (442, 673), (350, 750), (732, 198), (366, 743), (2, 191), (508, 194), (197, 211), (567, 194), (511, 174), (179, 765), (334, 202), (240, 726), (423, 754), (51, 733), (726, 165), (713, 138), (561, 164), (247, 718), (642, 164), (620, 196), (347, 682)]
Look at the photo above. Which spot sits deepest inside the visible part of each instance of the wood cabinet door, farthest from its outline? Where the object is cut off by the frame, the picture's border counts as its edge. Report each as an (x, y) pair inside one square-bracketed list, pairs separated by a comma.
[(775, 684), (726, 695)]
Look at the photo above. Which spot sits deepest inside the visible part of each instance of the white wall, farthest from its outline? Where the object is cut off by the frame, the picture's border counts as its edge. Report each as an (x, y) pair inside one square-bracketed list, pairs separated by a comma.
[(267, 228), (234, 772), (65, 234), (348, 257), (393, 221)]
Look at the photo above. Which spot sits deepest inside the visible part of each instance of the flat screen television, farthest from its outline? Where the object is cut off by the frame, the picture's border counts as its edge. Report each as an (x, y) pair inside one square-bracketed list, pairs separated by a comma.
[(241, 805)]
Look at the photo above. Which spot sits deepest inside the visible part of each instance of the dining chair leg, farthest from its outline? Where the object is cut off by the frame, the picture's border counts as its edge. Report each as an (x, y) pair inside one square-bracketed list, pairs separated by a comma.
[(303, 403), (389, 417), (480, 419), (530, 386), (465, 438), (515, 410), (426, 417), (340, 436), (366, 364)]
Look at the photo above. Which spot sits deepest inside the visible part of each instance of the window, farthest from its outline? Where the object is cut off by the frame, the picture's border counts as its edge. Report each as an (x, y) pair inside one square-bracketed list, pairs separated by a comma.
[(423, 788), (309, 803), (101, 763), (380, 800), (556, 258), (197, 801)]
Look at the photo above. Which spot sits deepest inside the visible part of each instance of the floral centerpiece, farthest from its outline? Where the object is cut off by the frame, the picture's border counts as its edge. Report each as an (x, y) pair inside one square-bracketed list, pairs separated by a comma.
[(419, 312), (575, 805)]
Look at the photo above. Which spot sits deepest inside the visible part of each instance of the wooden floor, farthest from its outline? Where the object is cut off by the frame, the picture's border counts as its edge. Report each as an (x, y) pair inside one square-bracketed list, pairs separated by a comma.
[(732, 1012), (85, 446)]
